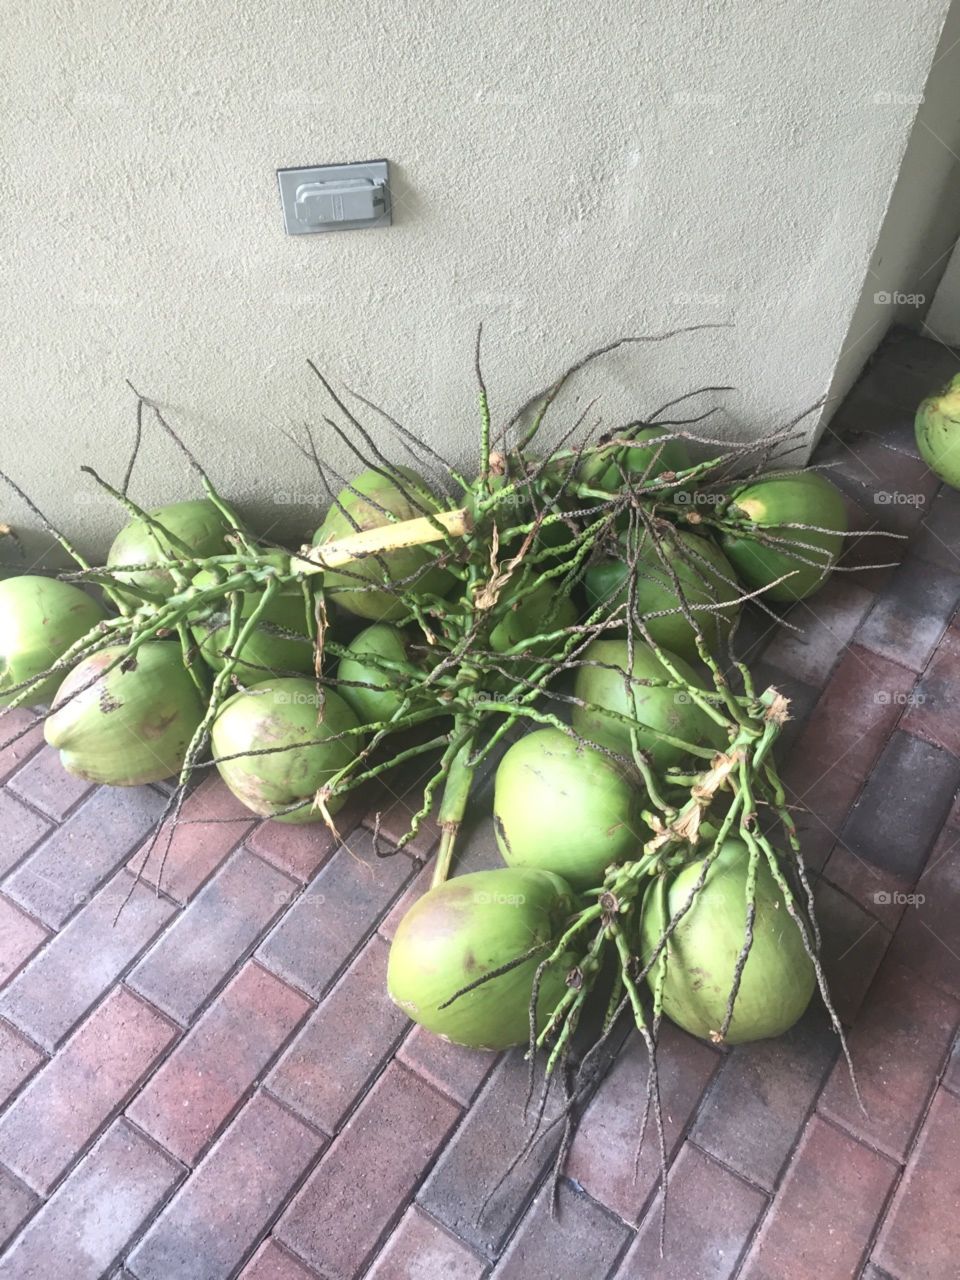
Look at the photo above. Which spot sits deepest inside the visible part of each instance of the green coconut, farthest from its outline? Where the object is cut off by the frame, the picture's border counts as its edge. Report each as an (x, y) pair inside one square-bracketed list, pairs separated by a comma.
[(471, 926), (305, 725), (778, 978), (600, 689), (280, 643), (705, 575), (197, 523), (610, 471), (362, 506), (521, 614), (562, 807), (130, 725), (771, 506), (378, 659), (938, 432), (40, 619)]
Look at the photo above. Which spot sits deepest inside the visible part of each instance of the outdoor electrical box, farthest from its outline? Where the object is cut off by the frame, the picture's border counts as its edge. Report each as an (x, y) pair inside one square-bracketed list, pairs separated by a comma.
[(335, 197)]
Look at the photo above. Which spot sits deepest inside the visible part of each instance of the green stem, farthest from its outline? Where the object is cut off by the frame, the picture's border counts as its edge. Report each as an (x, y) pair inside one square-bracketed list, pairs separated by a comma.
[(515, 711), (456, 792)]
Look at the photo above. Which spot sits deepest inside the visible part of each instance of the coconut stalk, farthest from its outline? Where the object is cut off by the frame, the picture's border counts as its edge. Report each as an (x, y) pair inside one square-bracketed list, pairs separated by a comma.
[(369, 543)]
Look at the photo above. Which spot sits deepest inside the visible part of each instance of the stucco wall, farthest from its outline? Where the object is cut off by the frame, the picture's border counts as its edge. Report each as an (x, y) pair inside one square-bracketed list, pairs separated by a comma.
[(922, 220), (566, 175), (943, 319)]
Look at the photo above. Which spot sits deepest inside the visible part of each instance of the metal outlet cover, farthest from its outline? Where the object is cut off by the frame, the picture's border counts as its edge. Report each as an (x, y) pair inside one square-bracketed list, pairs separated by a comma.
[(328, 197)]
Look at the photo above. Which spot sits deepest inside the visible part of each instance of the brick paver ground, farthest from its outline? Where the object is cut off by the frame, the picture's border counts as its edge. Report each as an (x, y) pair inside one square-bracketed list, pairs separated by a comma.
[(218, 1086)]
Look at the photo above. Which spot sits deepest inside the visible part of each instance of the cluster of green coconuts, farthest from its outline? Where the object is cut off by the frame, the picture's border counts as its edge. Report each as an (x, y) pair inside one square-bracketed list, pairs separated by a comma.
[(132, 724), (564, 811)]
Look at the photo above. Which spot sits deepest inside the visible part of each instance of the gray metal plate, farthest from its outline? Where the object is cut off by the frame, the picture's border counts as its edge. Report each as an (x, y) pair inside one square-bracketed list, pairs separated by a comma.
[(335, 197)]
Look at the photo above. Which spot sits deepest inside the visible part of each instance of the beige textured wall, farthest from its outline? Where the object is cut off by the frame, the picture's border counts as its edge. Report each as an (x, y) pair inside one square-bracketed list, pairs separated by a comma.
[(922, 220), (943, 319), (567, 173)]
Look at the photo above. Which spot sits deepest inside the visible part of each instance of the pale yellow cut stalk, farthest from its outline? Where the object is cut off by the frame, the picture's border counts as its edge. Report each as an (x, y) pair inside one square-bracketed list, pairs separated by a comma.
[(384, 538)]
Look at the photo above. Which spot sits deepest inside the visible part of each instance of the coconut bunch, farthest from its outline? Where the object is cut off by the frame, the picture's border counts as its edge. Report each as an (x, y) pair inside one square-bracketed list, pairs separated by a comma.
[(581, 603), (541, 573), (214, 644), (639, 878)]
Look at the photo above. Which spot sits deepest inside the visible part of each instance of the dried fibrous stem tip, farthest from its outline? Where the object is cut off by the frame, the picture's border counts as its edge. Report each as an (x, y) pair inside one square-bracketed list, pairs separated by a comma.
[(320, 802), (687, 827), (778, 707), (721, 768)]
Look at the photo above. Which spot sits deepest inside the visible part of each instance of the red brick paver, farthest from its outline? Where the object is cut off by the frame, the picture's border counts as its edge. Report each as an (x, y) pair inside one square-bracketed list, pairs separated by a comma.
[(604, 1150), (710, 1216), (334, 1223), (66, 870), (477, 1188), (762, 1096), (899, 1047), (18, 1058), (207, 1076), (909, 619), (212, 936), (16, 1204), (854, 944), (419, 1245), (903, 806), (211, 823), (330, 920), (23, 829), (66, 1104), (124, 1171), (858, 710), (20, 936), (343, 1045), (828, 623), (273, 1263), (931, 713), (395, 822), (216, 1218), (299, 851), (455, 1071), (921, 1236), (928, 939), (826, 1209), (46, 785), (938, 537), (581, 1238), (79, 966), (881, 894), (17, 746)]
